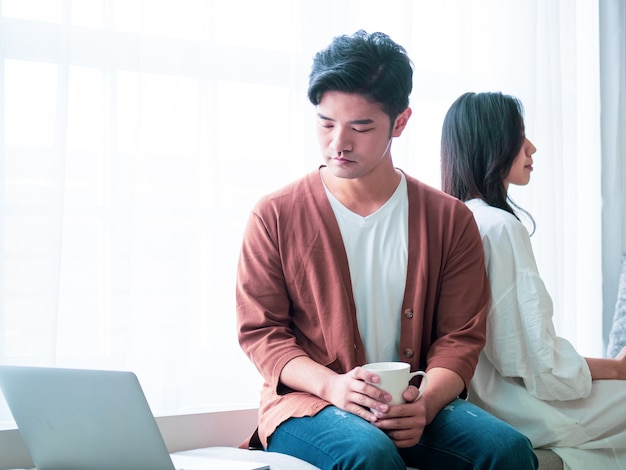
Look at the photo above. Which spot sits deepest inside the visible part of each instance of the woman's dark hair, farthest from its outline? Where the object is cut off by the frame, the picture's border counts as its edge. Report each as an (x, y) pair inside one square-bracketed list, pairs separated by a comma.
[(482, 135), (371, 65)]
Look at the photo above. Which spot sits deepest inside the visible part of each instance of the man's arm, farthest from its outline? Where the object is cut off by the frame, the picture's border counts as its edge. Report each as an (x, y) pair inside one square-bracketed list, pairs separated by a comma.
[(444, 386)]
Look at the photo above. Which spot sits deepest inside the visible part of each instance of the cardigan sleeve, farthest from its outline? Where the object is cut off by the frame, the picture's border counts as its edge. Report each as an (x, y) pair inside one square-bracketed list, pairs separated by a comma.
[(521, 338), (293, 290), (264, 329)]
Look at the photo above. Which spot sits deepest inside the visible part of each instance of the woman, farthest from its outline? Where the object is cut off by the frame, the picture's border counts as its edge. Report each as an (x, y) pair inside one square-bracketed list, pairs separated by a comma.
[(526, 374)]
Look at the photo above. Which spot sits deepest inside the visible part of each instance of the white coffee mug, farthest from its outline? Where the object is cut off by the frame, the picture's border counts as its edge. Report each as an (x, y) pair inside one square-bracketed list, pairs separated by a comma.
[(395, 378)]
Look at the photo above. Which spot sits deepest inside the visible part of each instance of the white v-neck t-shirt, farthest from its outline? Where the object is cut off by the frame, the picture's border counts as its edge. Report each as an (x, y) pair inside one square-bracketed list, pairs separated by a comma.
[(377, 250)]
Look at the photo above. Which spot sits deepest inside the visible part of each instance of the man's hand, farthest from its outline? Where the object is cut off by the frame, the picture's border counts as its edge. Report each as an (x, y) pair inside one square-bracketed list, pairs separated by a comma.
[(348, 391), (404, 424), (351, 392)]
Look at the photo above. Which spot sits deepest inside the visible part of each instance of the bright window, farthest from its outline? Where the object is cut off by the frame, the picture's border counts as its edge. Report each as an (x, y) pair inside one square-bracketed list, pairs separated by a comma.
[(135, 136)]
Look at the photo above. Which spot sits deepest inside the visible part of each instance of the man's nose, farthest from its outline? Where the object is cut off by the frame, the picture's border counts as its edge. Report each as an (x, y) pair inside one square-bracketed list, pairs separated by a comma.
[(341, 141)]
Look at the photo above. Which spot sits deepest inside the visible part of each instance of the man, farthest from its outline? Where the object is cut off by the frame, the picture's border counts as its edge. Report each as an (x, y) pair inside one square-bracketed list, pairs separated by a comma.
[(358, 262)]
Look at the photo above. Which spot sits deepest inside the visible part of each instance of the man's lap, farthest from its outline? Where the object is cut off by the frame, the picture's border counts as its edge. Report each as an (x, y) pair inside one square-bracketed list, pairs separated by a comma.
[(461, 436)]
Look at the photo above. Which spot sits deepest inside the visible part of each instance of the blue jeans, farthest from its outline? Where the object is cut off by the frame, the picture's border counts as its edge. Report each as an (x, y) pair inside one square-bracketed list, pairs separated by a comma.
[(462, 436)]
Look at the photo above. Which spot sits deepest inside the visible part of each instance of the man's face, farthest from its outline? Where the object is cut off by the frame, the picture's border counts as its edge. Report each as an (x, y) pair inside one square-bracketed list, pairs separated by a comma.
[(354, 134)]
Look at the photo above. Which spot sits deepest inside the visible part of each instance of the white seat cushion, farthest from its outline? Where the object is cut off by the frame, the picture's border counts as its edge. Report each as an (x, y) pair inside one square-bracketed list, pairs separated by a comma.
[(274, 459)]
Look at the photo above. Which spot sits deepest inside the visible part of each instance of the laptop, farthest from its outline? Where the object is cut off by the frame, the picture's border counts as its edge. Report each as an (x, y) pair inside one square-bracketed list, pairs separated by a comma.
[(77, 419)]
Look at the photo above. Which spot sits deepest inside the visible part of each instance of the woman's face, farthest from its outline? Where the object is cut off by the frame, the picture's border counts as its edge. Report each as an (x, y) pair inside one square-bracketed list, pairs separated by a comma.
[(519, 174)]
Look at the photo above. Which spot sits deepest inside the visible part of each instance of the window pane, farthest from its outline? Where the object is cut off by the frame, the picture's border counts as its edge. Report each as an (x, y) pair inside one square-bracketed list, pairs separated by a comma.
[(30, 103), (239, 23), (88, 13), (50, 11), (254, 138), (184, 20), (25, 322)]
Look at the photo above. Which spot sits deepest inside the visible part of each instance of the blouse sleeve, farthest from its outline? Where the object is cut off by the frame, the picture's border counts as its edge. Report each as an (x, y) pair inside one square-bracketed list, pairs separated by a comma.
[(521, 339)]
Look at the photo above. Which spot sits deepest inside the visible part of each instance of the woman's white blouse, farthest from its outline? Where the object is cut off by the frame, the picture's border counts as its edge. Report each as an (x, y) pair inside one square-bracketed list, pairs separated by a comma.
[(521, 339)]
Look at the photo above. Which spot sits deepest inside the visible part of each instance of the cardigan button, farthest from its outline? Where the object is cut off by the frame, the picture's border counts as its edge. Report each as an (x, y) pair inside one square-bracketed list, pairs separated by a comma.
[(408, 312), (408, 353)]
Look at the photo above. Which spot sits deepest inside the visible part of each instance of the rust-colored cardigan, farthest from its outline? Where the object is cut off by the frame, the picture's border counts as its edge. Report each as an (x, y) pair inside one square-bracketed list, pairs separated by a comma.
[(294, 294)]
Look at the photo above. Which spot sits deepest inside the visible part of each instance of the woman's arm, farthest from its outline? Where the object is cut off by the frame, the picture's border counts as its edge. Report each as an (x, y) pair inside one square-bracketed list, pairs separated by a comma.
[(610, 369)]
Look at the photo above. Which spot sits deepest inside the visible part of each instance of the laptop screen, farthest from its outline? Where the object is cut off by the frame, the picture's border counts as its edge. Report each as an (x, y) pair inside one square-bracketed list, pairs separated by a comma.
[(84, 419)]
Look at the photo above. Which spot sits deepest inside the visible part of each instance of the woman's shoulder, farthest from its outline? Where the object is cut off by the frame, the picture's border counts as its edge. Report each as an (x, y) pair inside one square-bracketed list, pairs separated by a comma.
[(498, 228), (493, 218)]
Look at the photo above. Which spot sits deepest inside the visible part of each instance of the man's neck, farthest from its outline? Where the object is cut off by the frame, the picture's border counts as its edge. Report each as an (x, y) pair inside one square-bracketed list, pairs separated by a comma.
[(365, 195)]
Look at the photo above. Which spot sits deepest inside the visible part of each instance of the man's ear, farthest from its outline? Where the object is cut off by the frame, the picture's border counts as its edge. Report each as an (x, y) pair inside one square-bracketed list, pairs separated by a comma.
[(401, 122)]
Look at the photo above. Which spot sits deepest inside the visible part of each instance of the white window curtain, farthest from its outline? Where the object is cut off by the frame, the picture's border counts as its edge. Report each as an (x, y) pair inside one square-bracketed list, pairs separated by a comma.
[(135, 137), (613, 104)]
